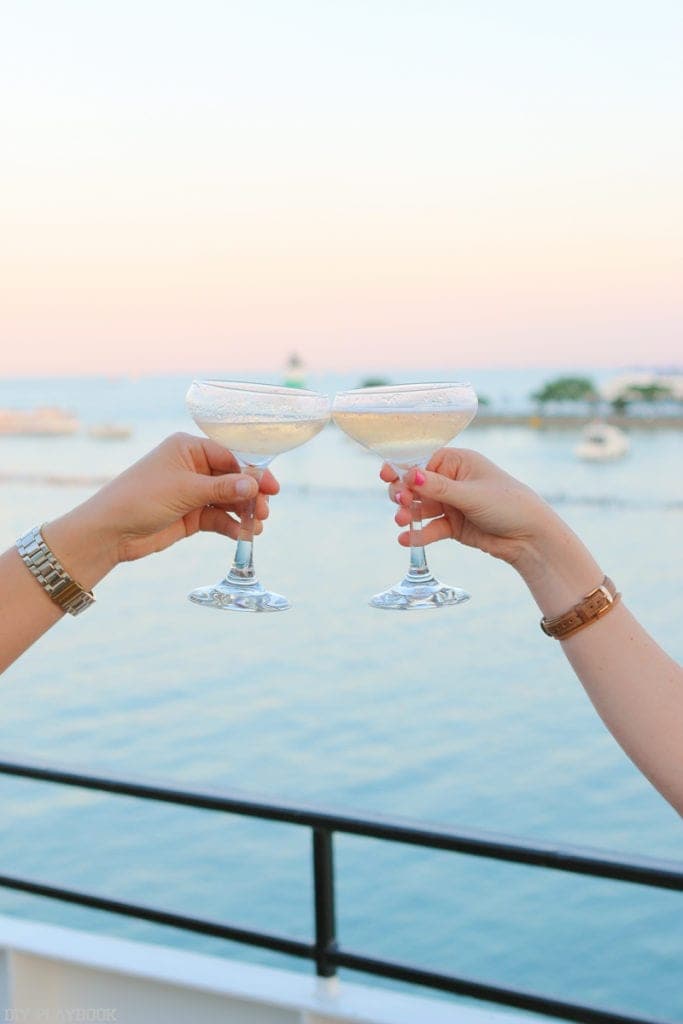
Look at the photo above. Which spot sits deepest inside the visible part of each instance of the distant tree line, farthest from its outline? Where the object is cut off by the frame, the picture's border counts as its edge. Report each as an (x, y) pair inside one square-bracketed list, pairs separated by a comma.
[(567, 389), (583, 389)]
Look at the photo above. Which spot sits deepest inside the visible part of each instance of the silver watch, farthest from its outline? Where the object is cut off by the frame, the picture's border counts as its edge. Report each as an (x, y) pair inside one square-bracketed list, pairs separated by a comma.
[(51, 575)]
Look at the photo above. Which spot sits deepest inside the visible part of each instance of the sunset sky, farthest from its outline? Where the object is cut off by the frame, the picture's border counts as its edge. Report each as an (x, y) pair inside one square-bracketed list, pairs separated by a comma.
[(205, 183)]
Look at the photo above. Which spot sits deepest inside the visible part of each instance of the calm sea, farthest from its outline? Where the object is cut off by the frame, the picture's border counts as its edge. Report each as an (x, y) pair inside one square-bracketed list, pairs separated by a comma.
[(466, 716)]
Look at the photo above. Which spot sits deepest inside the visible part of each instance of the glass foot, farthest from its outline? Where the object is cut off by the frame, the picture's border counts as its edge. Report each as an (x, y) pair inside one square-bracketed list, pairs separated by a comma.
[(239, 597), (409, 595)]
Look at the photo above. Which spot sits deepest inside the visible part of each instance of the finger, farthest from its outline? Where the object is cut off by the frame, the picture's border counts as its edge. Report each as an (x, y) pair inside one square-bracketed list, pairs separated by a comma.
[(401, 493), (269, 484), (261, 509), (449, 461), (219, 459), (438, 529), (460, 463), (429, 508), (460, 494), (216, 520), (230, 489), (388, 474), (404, 515), (204, 455), (403, 496)]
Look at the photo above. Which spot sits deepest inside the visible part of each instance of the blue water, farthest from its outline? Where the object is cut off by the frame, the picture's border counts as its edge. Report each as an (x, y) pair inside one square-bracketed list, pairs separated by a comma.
[(466, 716)]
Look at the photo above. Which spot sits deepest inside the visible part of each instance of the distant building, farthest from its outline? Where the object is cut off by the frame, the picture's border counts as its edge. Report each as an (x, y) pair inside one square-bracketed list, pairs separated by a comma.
[(621, 385), (295, 372)]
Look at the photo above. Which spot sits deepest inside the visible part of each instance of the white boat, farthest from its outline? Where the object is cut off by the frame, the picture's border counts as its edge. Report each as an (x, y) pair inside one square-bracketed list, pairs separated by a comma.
[(110, 432), (44, 422), (601, 442)]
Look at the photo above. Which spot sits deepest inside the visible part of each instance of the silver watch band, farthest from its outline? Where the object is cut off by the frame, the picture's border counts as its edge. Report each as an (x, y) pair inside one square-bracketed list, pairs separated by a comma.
[(51, 575)]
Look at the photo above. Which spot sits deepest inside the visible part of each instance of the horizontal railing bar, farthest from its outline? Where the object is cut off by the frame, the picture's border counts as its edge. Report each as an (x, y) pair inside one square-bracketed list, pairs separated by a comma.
[(341, 958), (662, 874), (245, 936), (482, 990)]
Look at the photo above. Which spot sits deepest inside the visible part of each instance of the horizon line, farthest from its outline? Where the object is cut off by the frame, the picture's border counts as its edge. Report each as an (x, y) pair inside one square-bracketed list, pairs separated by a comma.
[(132, 374)]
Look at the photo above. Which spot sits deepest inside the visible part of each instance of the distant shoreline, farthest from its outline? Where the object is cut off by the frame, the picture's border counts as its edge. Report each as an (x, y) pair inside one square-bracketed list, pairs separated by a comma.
[(569, 422)]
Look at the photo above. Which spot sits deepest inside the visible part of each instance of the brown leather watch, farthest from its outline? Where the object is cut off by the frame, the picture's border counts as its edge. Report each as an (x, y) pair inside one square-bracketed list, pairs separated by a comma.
[(585, 613)]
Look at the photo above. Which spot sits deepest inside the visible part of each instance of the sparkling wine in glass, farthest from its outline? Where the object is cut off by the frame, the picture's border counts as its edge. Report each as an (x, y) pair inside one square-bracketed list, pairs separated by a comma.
[(255, 422), (405, 425)]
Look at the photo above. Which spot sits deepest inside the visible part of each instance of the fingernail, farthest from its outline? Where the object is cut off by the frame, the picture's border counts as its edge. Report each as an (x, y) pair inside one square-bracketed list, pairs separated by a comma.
[(244, 486), (398, 496), (420, 478)]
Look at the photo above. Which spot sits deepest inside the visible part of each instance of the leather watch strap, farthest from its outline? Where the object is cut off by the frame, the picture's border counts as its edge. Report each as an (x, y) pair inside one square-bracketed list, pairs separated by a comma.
[(589, 610)]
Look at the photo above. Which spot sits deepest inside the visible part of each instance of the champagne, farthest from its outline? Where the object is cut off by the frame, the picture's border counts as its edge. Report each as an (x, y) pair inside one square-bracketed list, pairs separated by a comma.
[(405, 437), (255, 442)]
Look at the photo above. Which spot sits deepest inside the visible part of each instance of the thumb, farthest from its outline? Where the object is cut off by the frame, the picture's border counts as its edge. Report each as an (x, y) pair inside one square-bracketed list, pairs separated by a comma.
[(228, 489), (437, 487)]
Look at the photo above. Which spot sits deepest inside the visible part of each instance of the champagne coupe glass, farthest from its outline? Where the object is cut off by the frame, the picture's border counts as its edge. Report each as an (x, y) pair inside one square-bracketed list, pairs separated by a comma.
[(256, 422), (405, 425)]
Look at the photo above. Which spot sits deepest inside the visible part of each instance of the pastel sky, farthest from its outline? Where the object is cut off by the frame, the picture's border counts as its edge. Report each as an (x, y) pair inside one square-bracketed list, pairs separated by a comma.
[(192, 184)]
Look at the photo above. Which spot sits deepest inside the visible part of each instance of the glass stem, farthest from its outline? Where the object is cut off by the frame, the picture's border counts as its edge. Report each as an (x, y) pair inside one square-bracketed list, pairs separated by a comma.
[(419, 570), (242, 570)]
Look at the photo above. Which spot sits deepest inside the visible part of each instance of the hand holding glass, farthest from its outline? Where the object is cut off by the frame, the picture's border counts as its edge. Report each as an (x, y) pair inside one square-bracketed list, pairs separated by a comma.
[(405, 425), (255, 422)]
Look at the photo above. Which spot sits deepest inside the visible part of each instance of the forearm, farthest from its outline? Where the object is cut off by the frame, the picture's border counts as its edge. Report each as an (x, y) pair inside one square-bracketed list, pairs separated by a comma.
[(26, 610), (636, 688), (184, 485)]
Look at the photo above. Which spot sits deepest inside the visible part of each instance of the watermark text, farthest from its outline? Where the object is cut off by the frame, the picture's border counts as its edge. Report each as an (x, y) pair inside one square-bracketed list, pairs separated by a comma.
[(67, 1015)]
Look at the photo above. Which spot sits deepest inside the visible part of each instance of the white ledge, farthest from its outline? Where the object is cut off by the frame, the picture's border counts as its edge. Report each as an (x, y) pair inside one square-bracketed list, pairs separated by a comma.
[(305, 995)]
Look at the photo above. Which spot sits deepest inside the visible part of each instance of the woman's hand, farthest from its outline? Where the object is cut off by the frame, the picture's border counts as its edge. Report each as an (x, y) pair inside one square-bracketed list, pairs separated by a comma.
[(469, 499), (184, 485)]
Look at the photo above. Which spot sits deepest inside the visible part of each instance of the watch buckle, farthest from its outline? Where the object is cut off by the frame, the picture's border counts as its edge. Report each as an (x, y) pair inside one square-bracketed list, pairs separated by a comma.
[(602, 589)]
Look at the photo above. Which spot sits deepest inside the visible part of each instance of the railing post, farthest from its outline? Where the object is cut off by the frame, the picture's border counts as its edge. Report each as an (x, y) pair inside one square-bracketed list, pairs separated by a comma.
[(323, 890)]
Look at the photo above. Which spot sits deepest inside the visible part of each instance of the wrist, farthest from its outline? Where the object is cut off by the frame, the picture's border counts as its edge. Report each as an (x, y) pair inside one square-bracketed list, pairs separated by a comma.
[(83, 544), (557, 567)]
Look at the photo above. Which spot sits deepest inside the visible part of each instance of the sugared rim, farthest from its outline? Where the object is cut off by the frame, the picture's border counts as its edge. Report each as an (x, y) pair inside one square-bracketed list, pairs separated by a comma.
[(431, 386), (257, 388)]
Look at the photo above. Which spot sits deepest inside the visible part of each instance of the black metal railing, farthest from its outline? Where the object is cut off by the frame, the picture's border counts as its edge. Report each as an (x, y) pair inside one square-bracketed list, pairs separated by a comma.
[(325, 951)]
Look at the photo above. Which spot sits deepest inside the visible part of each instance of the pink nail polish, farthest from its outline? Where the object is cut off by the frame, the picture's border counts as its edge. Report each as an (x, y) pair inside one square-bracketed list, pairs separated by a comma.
[(420, 478), (399, 495)]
